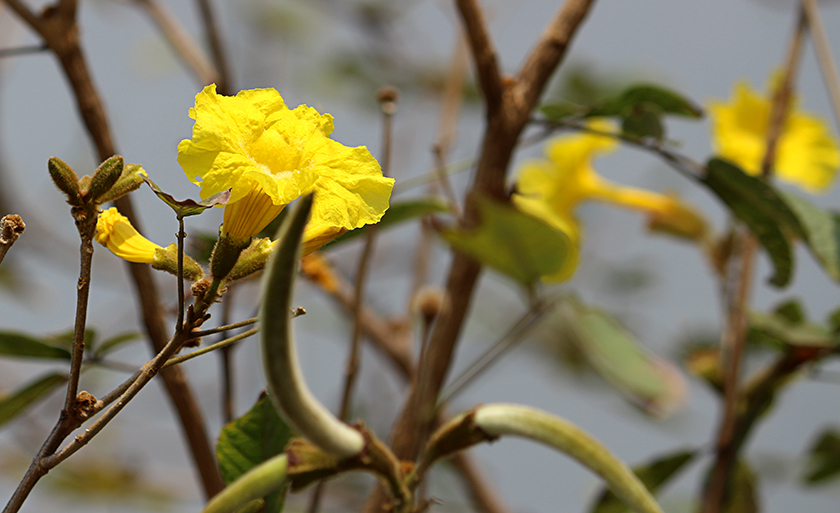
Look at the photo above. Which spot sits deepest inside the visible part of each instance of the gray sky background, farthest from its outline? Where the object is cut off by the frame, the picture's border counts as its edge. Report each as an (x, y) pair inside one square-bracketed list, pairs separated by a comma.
[(701, 48)]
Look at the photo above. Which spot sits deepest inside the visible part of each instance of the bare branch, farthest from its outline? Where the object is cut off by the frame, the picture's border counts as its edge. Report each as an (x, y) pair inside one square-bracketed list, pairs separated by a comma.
[(486, 62)]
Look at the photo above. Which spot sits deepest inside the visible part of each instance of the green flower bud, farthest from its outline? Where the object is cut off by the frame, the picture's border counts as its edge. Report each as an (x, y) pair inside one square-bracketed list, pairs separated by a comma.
[(130, 180), (104, 178), (225, 255), (251, 260), (166, 259), (66, 180)]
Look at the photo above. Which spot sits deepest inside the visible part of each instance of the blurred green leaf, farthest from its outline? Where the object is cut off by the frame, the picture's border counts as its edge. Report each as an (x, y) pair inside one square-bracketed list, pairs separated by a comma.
[(106, 346), (778, 330), (653, 475), (250, 440), (665, 101), (643, 120), (513, 243), (791, 311), (821, 231), (16, 403), (561, 110), (823, 458), (104, 477), (758, 205), (834, 322), (648, 382), (20, 345), (64, 340), (398, 213)]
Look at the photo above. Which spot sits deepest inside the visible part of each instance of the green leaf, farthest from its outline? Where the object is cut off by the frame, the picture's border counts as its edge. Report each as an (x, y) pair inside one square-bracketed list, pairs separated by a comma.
[(758, 205), (250, 440), (643, 120), (666, 101), (823, 458), (398, 213), (20, 345), (16, 403), (821, 231), (513, 243), (778, 330), (189, 207), (652, 384), (791, 311), (561, 110), (106, 346), (653, 475)]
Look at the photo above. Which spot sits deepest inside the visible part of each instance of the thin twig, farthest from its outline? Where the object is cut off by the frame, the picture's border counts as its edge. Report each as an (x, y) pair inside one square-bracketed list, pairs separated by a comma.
[(484, 54), (218, 345), (737, 289), (181, 235), (22, 50), (182, 43), (11, 227), (827, 64), (60, 33), (227, 327), (217, 50), (506, 121)]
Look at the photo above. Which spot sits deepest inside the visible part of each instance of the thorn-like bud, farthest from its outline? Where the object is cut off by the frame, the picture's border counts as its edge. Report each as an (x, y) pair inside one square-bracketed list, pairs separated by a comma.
[(104, 178), (66, 180), (429, 302), (387, 96)]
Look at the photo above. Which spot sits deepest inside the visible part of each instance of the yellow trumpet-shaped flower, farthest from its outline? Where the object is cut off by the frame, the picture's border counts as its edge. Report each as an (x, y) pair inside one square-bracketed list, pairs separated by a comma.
[(269, 155), (114, 231), (551, 189), (807, 152)]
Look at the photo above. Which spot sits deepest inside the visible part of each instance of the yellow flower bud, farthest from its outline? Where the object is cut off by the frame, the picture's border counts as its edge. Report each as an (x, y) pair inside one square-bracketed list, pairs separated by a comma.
[(114, 231)]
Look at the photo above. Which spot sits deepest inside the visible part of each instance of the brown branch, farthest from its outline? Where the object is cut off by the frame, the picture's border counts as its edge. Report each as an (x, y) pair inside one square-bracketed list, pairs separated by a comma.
[(181, 41), (504, 126), (823, 48), (730, 436), (484, 55), (217, 50), (11, 227), (549, 51), (57, 26)]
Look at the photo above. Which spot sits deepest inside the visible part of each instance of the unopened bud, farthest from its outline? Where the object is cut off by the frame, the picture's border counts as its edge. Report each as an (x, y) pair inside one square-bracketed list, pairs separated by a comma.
[(104, 178), (166, 259), (66, 180), (429, 302), (130, 180)]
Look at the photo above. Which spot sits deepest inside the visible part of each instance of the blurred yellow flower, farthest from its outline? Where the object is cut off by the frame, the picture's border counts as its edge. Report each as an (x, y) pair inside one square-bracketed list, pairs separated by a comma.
[(551, 189), (114, 231), (270, 155), (807, 152)]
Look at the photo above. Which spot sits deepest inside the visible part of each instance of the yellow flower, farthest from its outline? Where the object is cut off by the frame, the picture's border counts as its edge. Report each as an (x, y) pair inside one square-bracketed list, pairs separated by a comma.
[(270, 155), (552, 189), (807, 152), (114, 231)]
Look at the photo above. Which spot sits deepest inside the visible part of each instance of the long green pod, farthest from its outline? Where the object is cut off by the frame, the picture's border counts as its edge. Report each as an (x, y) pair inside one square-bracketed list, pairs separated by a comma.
[(286, 386), (254, 484), (513, 419)]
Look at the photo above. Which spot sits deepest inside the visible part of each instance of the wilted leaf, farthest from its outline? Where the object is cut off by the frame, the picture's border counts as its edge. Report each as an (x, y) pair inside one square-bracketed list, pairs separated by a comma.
[(16, 403), (250, 440), (821, 231), (513, 243), (653, 475), (649, 382), (759, 206), (20, 345), (824, 458), (189, 207)]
